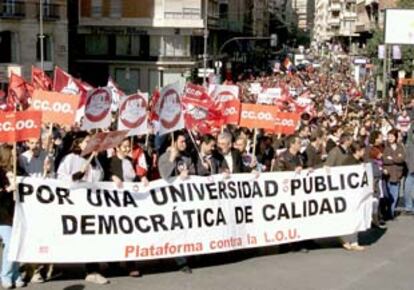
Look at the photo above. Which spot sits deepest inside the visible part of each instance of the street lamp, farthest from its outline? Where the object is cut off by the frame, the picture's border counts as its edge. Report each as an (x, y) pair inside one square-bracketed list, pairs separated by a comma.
[(205, 43), (41, 35)]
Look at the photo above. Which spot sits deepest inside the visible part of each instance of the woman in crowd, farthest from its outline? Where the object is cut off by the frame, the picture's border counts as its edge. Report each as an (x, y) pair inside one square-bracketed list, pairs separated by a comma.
[(121, 169), (76, 168), (394, 162), (10, 275)]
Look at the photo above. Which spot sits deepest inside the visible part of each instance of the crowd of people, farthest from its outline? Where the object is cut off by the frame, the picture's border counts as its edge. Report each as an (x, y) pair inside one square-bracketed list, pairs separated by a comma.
[(345, 128)]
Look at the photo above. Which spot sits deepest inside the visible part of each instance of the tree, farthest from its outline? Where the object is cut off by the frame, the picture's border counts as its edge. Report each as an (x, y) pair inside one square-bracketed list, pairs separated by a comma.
[(405, 4), (407, 51)]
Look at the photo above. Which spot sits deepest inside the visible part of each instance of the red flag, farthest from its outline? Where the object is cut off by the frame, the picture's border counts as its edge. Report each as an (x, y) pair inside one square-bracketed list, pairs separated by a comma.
[(19, 92), (153, 116), (201, 112), (67, 84), (40, 80)]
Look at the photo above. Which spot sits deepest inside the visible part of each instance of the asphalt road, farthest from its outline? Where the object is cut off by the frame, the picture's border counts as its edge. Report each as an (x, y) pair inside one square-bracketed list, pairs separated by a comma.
[(387, 263)]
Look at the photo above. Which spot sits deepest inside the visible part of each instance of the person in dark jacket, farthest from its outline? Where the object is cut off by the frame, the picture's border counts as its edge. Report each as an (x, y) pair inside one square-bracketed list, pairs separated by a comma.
[(208, 161), (232, 158), (394, 162), (175, 162), (290, 160), (356, 156), (339, 154), (313, 153)]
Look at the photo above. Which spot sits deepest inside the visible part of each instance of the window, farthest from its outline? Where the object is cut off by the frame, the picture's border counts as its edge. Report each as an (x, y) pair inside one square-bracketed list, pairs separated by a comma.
[(155, 45), (47, 48), (96, 44), (127, 79), (96, 8), (128, 45), (154, 80), (6, 47), (116, 8), (9, 7)]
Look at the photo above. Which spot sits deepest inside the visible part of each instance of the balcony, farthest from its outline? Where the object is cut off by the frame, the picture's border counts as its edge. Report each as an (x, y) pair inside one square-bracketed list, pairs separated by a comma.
[(335, 7), (349, 15), (51, 12), (334, 22), (229, 25), (12, 10), (185, 13)]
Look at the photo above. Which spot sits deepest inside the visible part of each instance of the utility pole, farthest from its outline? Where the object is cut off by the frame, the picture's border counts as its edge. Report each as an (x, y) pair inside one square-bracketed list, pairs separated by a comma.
[(205, 42), (41, 35), (384, 74)]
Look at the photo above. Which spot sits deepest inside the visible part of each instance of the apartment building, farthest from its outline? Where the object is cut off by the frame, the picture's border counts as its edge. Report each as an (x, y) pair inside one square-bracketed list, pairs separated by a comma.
[(19, 35), (322, 30), (370, 14), (300, 8), (335, 20), (141, 44)]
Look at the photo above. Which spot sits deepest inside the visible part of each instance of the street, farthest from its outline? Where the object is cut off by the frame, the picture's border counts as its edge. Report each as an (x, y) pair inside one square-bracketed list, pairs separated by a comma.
[(385, 264)]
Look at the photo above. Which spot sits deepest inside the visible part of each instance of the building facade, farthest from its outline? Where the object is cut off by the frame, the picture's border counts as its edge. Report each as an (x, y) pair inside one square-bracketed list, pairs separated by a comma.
[(142, 44), (335, 20), (19, 35), (371, 14)]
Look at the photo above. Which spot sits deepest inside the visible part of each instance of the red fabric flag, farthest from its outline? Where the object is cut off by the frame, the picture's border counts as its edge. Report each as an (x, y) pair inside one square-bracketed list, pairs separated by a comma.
[(40, 80), (19, 92), (201, 112), (67, 84), (153, 115)]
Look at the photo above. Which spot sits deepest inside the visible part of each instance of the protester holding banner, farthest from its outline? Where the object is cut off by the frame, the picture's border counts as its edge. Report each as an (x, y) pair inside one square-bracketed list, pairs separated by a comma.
[(313, 152), (357, 153), (35, 161), (291, 159), (10, 275), (209, 161), (76, 168), (232, 157), (121, 167), (175, 161)]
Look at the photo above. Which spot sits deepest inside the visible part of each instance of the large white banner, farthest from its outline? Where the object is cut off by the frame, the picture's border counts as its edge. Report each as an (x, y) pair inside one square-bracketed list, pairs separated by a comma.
[(57, 222)]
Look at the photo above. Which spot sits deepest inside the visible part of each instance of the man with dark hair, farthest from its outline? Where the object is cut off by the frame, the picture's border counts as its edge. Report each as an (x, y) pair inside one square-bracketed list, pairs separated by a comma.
[(313, 153), (339, 154), (290, 160), (208, 161), (175, 161)]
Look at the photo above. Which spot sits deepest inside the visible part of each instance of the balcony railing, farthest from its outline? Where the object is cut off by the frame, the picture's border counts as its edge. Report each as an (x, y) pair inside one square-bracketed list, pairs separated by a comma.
[(334, 21), (349, 15), (12, 9), (185, 13), (235, 26), (50, 11), (335, 7)]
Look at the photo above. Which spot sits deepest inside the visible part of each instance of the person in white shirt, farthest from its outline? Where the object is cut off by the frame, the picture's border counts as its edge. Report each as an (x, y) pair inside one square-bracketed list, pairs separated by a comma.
[(74, 167)]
